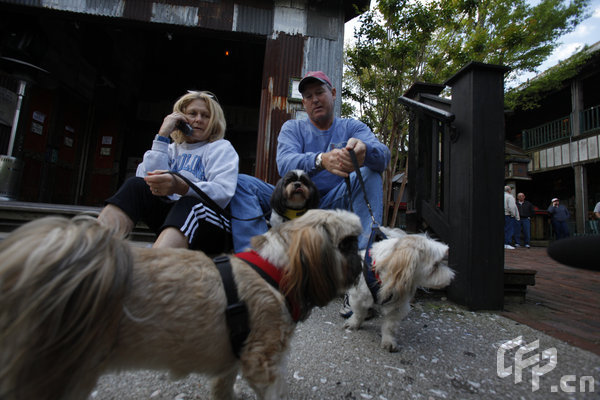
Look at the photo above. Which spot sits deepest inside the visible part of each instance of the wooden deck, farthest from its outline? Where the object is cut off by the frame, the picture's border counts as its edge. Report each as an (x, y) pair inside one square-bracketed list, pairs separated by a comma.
[(563, 303)]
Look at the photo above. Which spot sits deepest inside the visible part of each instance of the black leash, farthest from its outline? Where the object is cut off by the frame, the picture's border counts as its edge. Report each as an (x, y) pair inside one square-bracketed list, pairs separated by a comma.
[(224, 215), (376, 234), (210, 201), (362, 185)]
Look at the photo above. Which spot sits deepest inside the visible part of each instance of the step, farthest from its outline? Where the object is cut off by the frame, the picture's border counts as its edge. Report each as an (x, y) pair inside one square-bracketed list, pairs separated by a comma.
[(16, 213), (516, 282)]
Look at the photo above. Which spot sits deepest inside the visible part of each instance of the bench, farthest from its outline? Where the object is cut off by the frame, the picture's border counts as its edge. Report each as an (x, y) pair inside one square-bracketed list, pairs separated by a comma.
[(516, 282)]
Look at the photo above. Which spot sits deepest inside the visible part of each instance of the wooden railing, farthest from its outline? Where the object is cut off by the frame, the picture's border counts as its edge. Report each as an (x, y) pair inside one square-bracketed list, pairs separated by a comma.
[(590, 119), (559, 129), (548, 133)]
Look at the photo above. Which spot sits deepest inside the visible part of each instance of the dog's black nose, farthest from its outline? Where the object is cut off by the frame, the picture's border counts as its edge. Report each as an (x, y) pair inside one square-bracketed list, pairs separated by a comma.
[(297, 185)]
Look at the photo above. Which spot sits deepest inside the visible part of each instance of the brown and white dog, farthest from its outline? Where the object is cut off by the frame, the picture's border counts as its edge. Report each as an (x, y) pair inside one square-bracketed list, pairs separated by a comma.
[(294, 194), (75, 302), (403, 263)]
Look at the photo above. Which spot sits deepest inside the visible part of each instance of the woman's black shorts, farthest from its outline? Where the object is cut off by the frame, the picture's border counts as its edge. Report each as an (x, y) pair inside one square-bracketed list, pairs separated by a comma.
[(205, 228)]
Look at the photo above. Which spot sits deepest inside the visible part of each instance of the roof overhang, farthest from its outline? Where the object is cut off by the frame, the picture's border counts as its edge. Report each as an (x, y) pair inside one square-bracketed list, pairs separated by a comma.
[(353, 8)]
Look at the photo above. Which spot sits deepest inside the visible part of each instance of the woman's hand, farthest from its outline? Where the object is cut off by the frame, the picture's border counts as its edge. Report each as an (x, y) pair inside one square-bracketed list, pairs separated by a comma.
[(170, 123), (162, 183)]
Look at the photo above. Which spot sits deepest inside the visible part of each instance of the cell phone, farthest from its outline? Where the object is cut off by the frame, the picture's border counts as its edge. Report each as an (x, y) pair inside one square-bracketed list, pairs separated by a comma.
[(185, 128)]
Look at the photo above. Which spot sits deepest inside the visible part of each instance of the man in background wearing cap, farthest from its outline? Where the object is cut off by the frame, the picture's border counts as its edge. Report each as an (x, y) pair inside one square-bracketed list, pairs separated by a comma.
[(319, 146), (559, 215)]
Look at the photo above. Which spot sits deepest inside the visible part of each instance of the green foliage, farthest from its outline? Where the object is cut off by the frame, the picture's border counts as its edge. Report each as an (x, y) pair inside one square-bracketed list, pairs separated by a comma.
[(529, 95)]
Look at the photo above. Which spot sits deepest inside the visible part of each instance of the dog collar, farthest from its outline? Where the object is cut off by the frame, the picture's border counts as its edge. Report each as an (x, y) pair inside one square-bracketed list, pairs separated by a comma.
[(271, 274), (291, 213)]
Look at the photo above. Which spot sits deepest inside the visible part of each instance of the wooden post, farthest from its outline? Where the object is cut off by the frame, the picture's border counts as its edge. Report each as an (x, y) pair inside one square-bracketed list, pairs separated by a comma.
[(476, 187)]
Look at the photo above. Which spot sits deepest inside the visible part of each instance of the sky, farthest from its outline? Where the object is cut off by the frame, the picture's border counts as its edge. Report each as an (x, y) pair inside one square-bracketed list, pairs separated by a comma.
[(587, 32)]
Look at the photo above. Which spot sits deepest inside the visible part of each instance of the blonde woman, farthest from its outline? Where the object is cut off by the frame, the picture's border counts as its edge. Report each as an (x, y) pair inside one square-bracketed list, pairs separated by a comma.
[(165, 202)]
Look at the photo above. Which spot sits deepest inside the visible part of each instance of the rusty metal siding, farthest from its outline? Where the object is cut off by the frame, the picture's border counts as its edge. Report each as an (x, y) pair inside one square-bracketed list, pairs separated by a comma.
[(289, 18), (174, 14), (324, 22), (283, 60), (108, 8), (206, 14), (252, 20), (325, 47), (326, 55), (216, 15)]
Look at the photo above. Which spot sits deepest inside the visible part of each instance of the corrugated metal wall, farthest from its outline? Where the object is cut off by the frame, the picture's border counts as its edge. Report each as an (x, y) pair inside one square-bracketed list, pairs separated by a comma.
[(252, 20), (283, 60)]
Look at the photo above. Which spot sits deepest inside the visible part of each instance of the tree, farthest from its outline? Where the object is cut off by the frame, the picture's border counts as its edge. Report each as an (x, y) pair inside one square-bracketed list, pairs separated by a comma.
[(401, 42)]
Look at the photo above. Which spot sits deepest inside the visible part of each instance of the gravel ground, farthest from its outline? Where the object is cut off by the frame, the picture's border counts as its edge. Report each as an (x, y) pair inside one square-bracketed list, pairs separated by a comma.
[(447, 352)]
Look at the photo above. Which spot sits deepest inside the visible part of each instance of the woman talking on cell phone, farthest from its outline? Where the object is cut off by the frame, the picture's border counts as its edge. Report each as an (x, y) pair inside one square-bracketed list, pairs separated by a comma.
[(184, 184)]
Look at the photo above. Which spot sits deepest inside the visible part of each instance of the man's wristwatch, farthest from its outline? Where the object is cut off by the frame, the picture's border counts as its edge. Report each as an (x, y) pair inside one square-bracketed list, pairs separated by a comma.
[(319, 161)]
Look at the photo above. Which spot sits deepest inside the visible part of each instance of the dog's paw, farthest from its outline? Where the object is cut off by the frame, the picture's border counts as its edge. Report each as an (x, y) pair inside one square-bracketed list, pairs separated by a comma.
[(352, 323), (389, 345)]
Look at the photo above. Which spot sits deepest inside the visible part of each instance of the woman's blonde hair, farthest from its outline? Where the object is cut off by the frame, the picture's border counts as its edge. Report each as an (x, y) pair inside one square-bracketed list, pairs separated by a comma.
[(216, 124)]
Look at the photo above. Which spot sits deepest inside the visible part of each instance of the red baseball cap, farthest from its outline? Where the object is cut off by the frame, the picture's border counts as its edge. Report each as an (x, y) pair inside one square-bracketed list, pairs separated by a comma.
[(314, 76)]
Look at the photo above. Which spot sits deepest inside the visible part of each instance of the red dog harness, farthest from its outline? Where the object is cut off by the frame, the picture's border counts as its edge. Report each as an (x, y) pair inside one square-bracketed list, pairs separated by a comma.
[(271, 274)]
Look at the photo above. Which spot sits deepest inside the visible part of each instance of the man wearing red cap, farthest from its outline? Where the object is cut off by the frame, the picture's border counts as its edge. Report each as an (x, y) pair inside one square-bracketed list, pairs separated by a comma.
[(319, 146)]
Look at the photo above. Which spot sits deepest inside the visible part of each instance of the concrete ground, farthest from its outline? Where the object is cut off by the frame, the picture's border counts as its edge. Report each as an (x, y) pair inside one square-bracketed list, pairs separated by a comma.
[(447, 352)]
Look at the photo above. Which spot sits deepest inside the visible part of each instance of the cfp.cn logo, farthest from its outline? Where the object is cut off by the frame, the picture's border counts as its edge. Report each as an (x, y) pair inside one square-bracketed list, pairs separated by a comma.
[(541, 363)]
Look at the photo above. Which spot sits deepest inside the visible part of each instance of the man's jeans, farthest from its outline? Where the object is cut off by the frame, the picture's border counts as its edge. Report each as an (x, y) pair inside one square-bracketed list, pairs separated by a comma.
[(561, 229), (525, 226), (252, 199), (509, 228)]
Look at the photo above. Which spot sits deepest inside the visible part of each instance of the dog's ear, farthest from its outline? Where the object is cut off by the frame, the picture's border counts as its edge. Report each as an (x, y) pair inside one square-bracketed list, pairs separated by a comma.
[(399, 267), (310, 279), (315, 197), (278, 199)]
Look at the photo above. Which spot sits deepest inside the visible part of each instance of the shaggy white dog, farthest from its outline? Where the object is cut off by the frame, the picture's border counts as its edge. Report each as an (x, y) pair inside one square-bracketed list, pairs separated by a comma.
[(403, 263)]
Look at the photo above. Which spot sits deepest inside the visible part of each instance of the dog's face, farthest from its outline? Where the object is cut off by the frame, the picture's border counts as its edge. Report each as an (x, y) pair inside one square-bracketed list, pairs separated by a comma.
[(320, 252), (413, 261), (295, 191)]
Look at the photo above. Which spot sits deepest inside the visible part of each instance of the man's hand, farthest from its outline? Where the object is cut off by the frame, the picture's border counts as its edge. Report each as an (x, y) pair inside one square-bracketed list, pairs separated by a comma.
[(339, 162), (164, 184)]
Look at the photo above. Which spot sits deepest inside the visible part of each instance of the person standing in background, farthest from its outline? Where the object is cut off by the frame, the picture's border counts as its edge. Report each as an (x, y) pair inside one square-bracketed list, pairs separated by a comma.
[(511, 215), (559, 215), (526, 212)]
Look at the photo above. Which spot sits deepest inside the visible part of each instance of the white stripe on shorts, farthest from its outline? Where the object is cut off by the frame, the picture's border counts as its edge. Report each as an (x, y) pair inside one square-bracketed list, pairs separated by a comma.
[(201, 212)]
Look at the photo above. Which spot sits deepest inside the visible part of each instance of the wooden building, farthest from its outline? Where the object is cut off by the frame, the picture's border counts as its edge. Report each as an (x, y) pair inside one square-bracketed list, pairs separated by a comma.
[(90, 81), (561, 140)]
